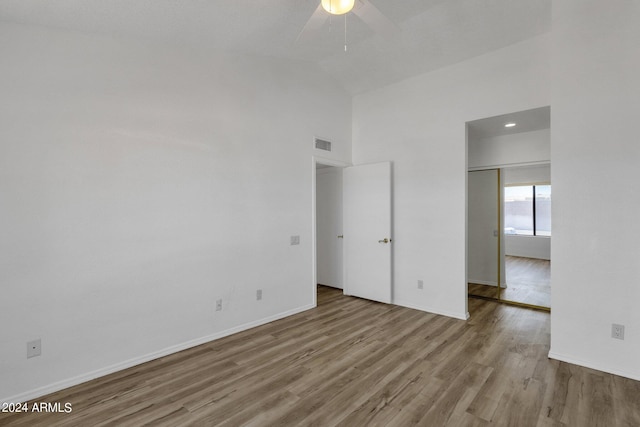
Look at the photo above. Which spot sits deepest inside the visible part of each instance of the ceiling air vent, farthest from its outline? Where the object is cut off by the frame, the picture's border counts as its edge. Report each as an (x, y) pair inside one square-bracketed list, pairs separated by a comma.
[(321, 144)]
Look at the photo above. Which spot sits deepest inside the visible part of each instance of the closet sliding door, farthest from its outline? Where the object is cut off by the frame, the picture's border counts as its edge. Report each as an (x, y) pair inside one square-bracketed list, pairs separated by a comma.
[(483, 219)]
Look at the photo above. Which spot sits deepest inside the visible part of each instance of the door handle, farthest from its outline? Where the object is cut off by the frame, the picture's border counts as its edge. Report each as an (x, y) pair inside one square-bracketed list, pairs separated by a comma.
[(341, 236), (385, 240)]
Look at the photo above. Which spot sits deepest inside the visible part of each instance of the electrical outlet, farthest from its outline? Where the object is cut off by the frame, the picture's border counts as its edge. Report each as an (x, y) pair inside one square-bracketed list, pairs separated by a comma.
[(295, 240), (617, 331), (219, 305), (34, 348), (259, 294), (420, 284)]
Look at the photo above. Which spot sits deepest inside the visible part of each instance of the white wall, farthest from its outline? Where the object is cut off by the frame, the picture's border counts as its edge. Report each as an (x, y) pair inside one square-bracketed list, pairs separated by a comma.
[(528, 246), (514, 149), (138, 185), (329, 227), (595, 109), (419, 124), (526, 175)]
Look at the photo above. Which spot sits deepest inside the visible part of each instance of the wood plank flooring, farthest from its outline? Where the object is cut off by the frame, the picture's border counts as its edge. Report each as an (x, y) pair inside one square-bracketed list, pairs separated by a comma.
[(528, 281), (353, 362)]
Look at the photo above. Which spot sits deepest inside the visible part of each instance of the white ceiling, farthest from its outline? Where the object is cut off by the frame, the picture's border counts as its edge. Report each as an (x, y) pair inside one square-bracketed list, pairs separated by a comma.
[(433, 33), (526, 121)]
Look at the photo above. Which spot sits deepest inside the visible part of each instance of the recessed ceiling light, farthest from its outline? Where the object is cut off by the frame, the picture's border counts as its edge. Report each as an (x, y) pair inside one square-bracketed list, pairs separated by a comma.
[(509, 125)]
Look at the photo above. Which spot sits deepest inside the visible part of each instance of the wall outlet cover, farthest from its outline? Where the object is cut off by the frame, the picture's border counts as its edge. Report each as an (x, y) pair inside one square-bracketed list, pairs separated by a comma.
[(617, 331), (259, 294)]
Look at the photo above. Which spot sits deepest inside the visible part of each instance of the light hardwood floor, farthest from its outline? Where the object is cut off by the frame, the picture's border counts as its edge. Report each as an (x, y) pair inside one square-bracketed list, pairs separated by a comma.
[(353, 362), (528, 281)]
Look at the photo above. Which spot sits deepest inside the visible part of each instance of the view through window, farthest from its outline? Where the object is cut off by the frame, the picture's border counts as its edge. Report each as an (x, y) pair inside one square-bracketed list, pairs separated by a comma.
[(527, 210)]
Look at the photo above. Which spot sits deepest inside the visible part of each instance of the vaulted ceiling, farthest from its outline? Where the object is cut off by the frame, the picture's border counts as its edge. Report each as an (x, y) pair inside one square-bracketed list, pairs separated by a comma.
[(433, 33)]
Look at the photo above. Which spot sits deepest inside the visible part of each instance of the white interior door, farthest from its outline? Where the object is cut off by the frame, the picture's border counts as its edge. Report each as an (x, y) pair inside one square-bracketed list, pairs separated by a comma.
[(367, 231)]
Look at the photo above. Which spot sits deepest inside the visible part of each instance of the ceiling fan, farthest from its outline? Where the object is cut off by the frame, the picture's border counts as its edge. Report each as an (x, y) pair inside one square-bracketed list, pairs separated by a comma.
[(363, 9)]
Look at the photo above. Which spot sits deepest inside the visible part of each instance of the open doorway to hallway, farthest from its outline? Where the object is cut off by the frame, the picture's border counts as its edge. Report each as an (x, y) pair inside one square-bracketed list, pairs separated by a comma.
[(329, 233)]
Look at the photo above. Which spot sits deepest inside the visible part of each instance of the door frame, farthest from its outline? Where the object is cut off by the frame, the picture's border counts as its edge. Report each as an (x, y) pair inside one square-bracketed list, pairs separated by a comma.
[(315, 160)]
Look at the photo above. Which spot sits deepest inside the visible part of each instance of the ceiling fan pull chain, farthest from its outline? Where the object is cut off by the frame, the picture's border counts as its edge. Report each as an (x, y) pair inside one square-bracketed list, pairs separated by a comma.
[(345, 32)]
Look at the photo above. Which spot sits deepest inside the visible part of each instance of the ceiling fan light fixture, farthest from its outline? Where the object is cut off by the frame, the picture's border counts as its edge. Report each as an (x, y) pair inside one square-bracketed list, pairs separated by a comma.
[(338, 7)]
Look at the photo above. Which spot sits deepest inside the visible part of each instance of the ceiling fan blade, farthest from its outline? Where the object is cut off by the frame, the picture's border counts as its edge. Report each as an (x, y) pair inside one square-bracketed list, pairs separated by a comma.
[(375, 19), (314, 24)]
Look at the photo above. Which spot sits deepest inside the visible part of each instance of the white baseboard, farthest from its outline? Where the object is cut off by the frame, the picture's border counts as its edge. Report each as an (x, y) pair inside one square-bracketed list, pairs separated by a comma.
[(455, 315), (60, 385), (591, 365)]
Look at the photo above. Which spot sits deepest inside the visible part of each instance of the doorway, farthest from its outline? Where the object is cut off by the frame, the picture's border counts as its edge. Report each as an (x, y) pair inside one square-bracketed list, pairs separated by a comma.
[(329, 223), (509, 208), (358, 199), (327, 234)]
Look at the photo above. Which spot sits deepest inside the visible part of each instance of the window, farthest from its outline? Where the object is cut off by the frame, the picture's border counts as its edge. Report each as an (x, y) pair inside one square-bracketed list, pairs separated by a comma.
[(527, 210)]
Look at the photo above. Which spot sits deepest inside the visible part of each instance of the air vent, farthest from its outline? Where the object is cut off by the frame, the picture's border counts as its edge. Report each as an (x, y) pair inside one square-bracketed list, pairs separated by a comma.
[(321, 144)]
